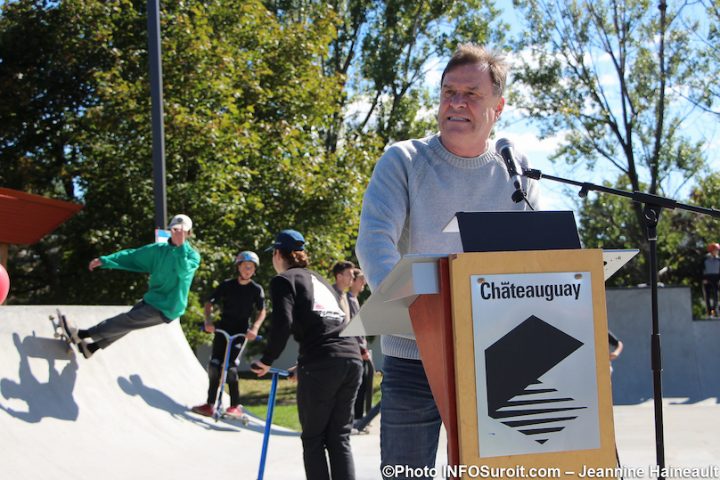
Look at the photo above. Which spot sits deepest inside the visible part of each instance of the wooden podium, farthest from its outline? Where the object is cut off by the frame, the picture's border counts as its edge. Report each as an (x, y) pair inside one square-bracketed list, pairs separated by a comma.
[(515, 348)]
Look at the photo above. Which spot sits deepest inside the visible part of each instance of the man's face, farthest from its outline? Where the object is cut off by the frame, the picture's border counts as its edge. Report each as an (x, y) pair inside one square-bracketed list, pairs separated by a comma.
[(178, 235), (344, 279), (359, 283), (468, 110), (246, 270)]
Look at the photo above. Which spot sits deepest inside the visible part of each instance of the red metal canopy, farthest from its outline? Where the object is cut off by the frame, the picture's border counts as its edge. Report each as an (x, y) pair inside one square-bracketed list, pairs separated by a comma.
[(26, 218)]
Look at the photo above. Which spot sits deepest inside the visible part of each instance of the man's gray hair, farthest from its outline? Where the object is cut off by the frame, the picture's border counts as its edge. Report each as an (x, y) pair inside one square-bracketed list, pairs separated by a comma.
[(471, 54)]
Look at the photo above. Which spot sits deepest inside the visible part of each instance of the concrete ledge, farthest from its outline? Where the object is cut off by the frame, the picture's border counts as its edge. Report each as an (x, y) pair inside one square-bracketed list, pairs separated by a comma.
[(690, 349)]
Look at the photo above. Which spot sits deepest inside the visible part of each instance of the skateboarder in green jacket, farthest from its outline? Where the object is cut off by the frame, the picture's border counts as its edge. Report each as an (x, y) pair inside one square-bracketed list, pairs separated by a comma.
[(171, 266)]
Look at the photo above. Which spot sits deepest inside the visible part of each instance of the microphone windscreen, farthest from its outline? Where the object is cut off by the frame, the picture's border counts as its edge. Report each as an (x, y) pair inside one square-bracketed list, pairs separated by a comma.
[(502, 144)]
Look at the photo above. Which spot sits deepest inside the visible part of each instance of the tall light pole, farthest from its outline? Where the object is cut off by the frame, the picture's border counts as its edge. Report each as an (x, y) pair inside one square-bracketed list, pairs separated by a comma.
[(158, 129)]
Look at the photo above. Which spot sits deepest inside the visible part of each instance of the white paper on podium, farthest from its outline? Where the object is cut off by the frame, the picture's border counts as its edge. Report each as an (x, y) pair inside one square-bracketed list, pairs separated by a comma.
[(613, 260), (386, 311)]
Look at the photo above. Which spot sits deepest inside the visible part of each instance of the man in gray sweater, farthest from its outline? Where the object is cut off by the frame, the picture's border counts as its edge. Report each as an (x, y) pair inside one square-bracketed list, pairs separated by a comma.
[(416, 188)]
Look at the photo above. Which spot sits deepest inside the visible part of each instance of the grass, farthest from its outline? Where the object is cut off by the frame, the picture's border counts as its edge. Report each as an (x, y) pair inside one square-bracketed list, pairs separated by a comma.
[(254, 393)]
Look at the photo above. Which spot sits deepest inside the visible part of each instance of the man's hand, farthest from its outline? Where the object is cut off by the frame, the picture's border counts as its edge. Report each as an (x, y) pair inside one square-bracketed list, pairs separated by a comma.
[(94, 263), (209, 326), (251, 335), (259, 368)]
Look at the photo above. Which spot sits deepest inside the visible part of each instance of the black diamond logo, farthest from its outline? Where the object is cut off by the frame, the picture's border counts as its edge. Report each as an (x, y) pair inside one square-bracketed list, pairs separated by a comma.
[(514, 365)]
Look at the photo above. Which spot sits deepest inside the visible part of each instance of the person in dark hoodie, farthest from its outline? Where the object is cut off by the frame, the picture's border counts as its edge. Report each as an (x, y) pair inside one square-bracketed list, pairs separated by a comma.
[(329, 366)]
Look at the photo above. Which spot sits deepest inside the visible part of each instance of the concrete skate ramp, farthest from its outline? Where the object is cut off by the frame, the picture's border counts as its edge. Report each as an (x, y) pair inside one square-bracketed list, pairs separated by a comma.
[(690, 349), (123, 414)]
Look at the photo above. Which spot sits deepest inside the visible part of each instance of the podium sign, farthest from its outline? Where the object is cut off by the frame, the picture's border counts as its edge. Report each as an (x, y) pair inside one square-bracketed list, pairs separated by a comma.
[(532, 360), (534, 377)]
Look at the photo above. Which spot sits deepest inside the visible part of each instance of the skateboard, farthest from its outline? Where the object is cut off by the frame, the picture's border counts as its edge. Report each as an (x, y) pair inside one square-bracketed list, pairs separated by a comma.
[(61, 328)]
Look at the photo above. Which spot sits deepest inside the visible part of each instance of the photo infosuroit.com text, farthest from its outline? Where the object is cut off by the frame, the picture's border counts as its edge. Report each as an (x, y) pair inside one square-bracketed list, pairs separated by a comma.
[(711, 472)]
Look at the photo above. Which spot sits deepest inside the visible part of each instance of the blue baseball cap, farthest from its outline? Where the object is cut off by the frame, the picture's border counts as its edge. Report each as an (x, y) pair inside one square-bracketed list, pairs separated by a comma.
[(290, 240)]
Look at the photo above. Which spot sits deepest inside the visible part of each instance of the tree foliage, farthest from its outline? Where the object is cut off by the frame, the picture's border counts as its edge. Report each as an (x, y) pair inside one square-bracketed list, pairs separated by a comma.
[(706, 92), (245, 105), (610, 76), (608, 223)]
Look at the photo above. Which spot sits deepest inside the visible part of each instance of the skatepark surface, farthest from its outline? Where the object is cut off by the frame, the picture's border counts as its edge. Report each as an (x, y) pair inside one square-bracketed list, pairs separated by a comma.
[(123, 414)]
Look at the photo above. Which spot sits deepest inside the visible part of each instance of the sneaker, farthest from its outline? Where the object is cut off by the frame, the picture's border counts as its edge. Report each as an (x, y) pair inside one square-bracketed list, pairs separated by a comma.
[(84, 348), (235, 412), (205, 409)]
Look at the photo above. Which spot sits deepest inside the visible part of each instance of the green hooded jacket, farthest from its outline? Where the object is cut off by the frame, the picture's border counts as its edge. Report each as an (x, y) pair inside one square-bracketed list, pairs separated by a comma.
[(171, 272)]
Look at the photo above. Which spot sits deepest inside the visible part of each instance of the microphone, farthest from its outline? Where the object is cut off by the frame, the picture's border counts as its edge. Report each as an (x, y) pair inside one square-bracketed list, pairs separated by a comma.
[(504, 148)]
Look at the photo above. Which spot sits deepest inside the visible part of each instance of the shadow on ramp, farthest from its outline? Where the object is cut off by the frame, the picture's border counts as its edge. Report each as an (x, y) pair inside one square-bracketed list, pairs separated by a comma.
[(134, 386), (52, 399)]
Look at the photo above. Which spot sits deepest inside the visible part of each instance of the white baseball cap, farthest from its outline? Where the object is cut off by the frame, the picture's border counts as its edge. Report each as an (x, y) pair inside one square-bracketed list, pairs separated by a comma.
[(182, 220)]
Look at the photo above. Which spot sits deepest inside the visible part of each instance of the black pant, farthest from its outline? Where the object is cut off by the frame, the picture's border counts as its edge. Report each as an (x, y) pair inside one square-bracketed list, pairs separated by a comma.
[(142, 315), (711, 292), (215, 369), (325, 395), (363, 402)]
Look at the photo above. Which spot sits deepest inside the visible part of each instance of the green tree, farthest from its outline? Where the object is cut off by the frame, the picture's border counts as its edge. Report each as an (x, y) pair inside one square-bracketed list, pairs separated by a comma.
[(608, 223), (48, 59), (246, 103), (705, 92), (45, 85), (700, 230), (610, 75)]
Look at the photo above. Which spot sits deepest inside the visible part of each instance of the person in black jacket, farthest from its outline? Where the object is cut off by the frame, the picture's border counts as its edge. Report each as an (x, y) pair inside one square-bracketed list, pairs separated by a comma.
[(329, 366), (710, 279)]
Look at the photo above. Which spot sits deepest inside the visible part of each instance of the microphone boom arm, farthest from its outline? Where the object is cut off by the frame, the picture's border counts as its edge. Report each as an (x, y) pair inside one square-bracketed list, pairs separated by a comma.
[(635, 196), (653, 205)]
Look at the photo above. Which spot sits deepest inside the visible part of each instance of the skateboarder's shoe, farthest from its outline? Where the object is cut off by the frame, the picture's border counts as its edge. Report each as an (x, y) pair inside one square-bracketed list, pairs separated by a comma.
[(235, 412), (74, 337), (83, 347), (205, 409)]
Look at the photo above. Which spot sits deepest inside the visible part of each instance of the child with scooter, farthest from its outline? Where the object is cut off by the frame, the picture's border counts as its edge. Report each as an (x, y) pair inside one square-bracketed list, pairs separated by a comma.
[(238, 298)]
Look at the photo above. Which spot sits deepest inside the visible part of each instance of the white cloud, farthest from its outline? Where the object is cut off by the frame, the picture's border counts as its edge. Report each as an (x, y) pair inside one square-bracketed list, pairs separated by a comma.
[(528, 141)]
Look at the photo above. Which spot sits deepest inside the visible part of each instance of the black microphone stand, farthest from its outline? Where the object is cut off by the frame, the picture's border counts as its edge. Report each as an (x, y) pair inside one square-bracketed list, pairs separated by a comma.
[(653, 205)]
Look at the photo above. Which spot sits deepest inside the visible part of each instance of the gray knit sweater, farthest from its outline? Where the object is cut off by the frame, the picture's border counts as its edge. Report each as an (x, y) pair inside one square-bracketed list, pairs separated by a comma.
[(415, 190)]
